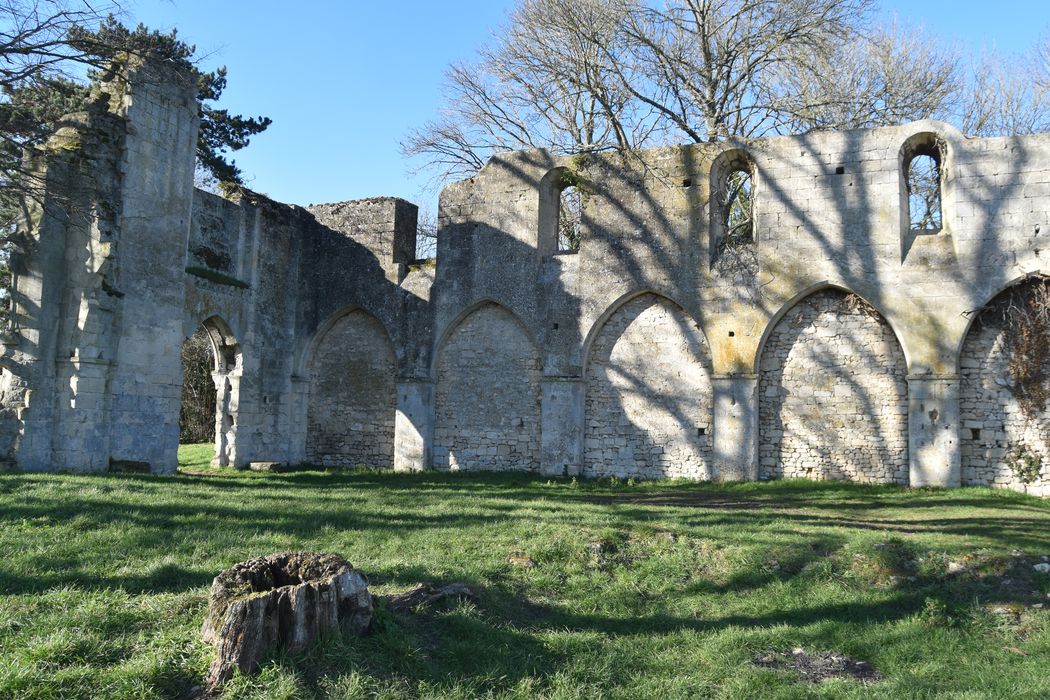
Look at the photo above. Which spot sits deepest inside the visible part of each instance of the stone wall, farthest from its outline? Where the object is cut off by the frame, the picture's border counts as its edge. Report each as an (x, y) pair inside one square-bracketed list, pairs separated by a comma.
[(648, 395), (352, 395), (833, 399), (488, 395), (508, 354), (993, 425)]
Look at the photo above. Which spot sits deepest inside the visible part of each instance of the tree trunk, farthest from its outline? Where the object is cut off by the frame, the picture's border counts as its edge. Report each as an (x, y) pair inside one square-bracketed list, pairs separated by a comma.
[(286, 600)]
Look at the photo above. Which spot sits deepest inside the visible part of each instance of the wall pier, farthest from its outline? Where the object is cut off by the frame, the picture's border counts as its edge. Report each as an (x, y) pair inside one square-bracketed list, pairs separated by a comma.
[(561, 418), (735, 428), (298, 398), (413, 425), (933, 431)]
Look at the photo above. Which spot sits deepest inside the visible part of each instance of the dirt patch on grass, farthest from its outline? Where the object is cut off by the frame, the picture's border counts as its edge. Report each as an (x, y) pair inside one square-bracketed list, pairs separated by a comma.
[(818, 667)]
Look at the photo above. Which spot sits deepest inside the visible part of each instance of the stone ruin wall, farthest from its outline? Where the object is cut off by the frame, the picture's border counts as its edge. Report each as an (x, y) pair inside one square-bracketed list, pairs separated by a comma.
[(639, 355), (648, 395), (487, 402), (833, 394)]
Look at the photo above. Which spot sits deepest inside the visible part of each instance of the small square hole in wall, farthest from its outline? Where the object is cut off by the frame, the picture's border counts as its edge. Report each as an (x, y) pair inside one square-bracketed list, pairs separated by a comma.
[(840, 170), (975, 433), (701, 432), (732, 334), (555, 326), (687, 182)]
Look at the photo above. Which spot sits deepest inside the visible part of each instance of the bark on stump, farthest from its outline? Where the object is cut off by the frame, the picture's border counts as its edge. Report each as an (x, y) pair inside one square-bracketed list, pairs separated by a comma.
[(281, 600)]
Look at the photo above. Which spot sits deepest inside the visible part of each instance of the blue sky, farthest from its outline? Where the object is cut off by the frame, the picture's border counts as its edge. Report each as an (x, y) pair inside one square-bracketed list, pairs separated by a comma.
[(345, 81)]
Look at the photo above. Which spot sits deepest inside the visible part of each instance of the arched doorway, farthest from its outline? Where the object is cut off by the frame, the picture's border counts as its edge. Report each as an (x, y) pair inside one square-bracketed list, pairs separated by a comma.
[(211, 373)]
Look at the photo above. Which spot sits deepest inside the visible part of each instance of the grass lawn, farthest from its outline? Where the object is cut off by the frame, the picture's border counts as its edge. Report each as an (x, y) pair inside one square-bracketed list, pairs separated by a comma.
[(585, 590)]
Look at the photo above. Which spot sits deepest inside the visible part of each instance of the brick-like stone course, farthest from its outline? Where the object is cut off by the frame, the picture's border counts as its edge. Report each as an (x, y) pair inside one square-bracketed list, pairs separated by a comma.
[(993, 425), (833, 395)]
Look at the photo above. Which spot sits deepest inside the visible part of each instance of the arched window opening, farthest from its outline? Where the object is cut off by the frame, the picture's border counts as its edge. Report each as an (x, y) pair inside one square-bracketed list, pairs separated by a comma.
[(924, 190), (738, 194), (570, 216), (733, 247), (560, 222)]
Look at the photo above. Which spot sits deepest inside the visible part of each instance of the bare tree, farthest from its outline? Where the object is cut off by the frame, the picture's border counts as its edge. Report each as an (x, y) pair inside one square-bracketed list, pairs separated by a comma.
[(1008, 95), (886, 75), (197, 414), (712, 66), (549, 82), (578, 76), (34, 42)]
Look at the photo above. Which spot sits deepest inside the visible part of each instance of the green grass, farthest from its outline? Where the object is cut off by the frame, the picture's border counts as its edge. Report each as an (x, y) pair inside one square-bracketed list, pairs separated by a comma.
[(665, 590)]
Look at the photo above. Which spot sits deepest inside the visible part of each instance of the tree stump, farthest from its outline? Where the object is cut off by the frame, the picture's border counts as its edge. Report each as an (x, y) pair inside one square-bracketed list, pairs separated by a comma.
[(281, 600)]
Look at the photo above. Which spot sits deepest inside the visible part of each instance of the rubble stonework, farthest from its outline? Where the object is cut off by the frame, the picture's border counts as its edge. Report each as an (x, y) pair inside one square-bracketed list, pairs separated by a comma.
[(638, 355), (993, 424), (833, 398), (648, 395), (488, 396), (350, 418)]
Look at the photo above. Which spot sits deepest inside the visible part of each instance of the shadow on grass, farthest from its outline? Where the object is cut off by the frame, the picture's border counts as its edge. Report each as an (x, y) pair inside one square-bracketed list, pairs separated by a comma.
[(498, 643), (300, 504)]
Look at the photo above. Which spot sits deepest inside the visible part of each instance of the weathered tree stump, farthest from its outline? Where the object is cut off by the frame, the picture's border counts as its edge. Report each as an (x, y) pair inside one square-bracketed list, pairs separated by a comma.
[(281, 600)]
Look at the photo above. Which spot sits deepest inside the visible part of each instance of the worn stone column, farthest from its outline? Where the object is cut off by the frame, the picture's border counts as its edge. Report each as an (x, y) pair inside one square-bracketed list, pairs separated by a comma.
[(228, 420), (933, 430), (81, 439), (735, 439), (32, 446), (298, 397), (413, 425), (561, 421)]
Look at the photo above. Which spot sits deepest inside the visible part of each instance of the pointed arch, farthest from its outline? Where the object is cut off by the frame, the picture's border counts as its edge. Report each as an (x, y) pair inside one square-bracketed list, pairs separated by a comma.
[(833, 393), (441, 339), (648, 397), (810, 290), (309, 349), (352, 374), (971, 318), (487, 396), (617, 304), (999, 432)]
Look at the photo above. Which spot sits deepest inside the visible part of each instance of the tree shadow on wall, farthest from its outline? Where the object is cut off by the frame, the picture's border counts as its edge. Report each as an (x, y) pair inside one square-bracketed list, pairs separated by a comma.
[(809, 429), (637, 392)]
